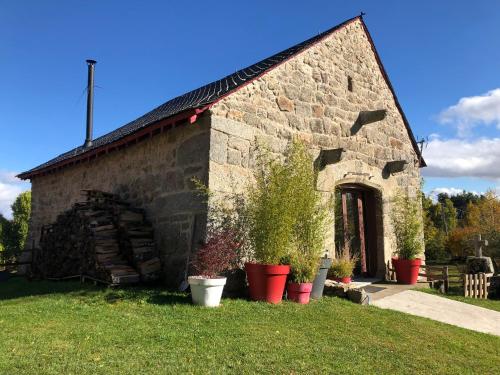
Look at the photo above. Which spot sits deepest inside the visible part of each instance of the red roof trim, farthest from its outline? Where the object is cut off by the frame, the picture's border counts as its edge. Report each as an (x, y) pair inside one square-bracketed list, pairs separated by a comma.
[(145, 133)]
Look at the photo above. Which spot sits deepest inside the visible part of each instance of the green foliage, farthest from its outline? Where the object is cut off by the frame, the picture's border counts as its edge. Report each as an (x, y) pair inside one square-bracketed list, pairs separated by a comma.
[(435, 239), (3, 227), (310, 214), (13, 233), (342, 266), (287, 219), (407, 224), (270, 212)]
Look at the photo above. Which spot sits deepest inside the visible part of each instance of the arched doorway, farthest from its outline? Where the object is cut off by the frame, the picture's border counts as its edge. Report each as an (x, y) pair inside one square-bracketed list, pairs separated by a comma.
[(356, 226)]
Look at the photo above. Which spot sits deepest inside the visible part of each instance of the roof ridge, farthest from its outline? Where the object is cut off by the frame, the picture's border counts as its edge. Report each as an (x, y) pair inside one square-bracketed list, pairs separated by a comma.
[(187, 105)]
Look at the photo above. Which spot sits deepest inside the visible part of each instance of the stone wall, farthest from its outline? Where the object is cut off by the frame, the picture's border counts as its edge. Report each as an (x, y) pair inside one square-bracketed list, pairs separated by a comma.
[(308, 96), (154, 174)]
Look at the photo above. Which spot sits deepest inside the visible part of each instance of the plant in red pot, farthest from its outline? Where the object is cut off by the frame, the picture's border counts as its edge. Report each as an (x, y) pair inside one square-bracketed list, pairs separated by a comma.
[(343, 267), (214, 257), (303, 271), (270, 225), (407, 224), (311, 214), (285, 218)]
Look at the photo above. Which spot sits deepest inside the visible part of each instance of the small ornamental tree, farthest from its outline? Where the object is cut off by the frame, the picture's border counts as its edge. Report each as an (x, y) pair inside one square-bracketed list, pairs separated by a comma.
[(217, 255), (407, 224)]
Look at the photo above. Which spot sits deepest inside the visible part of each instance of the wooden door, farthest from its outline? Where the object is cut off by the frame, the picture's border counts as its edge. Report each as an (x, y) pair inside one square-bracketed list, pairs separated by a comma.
[(355, 227)]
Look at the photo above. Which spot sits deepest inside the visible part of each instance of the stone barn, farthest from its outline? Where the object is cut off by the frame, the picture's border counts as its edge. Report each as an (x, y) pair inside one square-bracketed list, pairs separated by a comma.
[(332, 91)]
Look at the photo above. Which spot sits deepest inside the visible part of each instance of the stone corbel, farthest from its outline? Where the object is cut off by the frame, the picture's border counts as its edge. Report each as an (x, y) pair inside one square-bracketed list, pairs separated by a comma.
[(327, 157), (368, 117), (395, 166)]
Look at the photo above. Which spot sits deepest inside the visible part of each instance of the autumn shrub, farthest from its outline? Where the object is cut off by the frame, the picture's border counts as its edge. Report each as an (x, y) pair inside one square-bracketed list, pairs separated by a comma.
[(217, 255)]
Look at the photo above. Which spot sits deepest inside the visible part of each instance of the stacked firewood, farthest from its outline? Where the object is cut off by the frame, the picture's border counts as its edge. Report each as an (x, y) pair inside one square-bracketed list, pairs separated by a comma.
[(101, 238)]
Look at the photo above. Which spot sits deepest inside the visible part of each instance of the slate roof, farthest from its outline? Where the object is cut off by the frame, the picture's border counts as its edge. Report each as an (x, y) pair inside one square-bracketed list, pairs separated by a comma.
[(198, 98)]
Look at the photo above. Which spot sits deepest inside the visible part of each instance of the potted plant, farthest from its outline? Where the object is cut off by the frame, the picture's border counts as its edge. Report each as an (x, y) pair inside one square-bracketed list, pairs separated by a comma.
[(303, 271), (342, 267), (286, 223), (319, 280), (270, 230), (407, 224), (214, 257)]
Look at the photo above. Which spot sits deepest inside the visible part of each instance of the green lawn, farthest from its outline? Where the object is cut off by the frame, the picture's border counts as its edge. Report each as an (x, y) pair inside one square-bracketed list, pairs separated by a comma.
[(67, 328)]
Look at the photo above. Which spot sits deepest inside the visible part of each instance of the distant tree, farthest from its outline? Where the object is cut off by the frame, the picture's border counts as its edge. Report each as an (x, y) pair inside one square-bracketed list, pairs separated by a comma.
[(482, 217), (443, 213), (14, 232), (3, 224), (461, 201), (434, 237)]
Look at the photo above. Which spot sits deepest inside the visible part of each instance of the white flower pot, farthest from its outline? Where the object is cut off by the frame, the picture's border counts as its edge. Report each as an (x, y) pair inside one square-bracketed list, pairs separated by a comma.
[(206, 292)]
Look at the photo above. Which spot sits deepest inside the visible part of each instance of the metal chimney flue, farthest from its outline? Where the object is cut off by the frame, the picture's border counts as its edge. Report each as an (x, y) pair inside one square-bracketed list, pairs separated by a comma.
[(90, 103)]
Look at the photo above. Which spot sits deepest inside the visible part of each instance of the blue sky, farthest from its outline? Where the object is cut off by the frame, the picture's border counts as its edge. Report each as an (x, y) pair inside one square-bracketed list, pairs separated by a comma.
[(443, 58)]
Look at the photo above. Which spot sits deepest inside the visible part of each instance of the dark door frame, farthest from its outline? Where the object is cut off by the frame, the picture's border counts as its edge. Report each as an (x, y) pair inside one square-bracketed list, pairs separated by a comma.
[(366, 210)]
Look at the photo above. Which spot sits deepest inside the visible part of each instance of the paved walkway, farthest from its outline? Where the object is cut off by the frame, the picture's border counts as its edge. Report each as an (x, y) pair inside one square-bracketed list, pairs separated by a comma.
[(438, 308)]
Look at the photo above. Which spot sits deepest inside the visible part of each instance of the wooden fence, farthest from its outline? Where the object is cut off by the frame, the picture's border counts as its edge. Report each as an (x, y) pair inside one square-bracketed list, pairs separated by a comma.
[(477, 285), (430, 274)]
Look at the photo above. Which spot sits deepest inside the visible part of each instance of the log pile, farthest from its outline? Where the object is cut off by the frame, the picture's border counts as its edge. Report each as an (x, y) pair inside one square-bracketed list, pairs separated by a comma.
[(102, 238)]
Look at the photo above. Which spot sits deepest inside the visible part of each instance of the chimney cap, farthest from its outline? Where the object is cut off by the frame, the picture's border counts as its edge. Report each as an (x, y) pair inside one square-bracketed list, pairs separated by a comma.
[(91, 62)]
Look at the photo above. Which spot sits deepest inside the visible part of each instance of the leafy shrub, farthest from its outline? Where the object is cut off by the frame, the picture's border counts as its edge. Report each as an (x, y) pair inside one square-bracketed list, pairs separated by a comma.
[(309, 212), (287, 220), (217, 255), (271, 213), (343, 265), (227, 214), (407, 224)]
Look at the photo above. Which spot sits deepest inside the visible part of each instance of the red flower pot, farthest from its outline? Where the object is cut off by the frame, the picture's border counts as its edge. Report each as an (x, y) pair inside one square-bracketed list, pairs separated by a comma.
[(299, 292), (343, 280), (406, 270), (266, 282)]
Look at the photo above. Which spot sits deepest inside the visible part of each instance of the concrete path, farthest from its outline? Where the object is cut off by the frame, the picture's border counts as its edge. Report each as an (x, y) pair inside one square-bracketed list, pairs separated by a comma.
[(443, 310)]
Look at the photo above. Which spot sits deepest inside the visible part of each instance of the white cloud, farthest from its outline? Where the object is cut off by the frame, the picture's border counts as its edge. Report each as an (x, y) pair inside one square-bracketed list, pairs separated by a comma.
[(463, 158), (473, 111), (10, 188), (450, 191)]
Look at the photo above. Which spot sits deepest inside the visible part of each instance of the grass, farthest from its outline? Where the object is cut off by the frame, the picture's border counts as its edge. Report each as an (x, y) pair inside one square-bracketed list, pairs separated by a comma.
[(455, 291), (66, 327)]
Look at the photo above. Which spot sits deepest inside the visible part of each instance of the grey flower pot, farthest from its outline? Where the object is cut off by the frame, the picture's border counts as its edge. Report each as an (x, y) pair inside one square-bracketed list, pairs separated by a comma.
[(319, 280)]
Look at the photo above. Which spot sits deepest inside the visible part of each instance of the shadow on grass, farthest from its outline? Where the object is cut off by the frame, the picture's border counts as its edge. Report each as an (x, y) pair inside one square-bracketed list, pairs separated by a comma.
[(18, 287)]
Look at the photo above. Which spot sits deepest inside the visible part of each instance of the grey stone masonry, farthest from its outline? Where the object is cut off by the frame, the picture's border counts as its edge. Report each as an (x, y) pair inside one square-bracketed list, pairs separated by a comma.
[(308, 97), (156, 175), (317, 96)]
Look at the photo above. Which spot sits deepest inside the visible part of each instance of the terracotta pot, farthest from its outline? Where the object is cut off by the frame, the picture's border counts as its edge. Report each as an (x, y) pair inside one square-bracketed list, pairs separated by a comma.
[(406, 270), (343, 280), (299, 292), (266, 282)]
